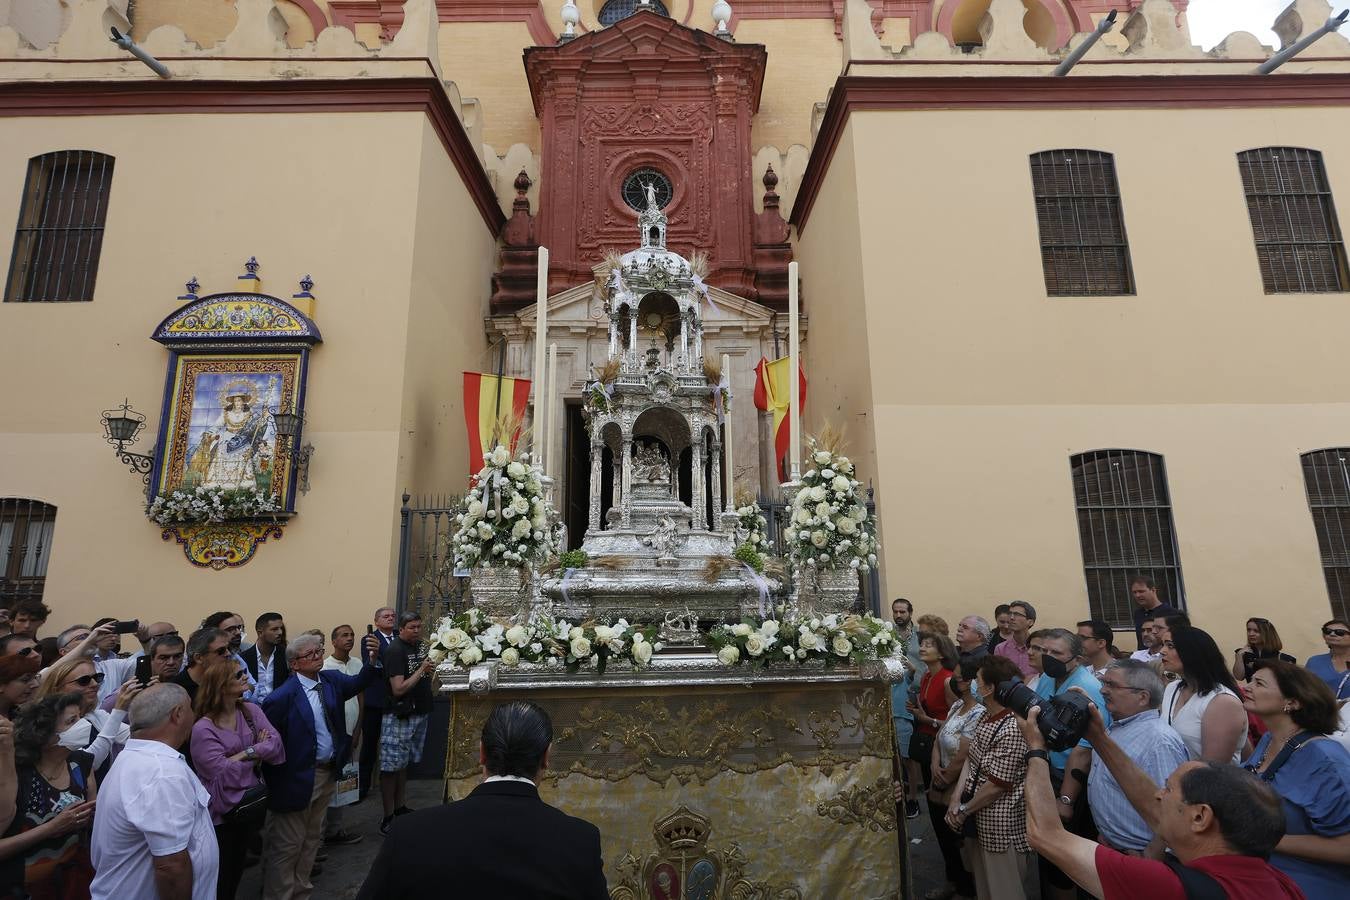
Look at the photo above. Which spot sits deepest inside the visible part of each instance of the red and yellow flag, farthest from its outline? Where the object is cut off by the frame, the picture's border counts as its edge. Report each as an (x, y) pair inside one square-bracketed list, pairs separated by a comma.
[(486, 399), (773, 393)]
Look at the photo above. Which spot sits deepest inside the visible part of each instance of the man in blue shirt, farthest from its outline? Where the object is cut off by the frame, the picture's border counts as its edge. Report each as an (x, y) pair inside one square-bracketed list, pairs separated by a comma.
[(1133, 693), (1061, 671)]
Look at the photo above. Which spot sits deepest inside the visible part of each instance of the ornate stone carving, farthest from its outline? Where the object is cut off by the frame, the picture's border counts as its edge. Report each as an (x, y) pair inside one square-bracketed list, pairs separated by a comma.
[(224, 546)]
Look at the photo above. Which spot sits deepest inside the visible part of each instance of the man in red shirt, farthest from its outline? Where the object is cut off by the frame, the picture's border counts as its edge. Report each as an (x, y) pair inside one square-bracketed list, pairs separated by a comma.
[(1221, 822)]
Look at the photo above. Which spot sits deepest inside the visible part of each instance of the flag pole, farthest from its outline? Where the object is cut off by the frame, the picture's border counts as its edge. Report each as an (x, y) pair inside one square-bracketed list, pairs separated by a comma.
[(540, 337), (551, 404), (794, 377)]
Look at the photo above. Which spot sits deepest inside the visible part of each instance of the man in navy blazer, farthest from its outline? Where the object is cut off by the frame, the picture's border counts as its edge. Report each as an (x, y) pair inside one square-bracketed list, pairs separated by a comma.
[(306, 710), (501, 840)]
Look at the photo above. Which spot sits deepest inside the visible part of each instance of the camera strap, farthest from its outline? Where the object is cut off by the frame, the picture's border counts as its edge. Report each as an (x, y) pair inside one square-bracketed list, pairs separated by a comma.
[(1287, 751), (1196, 884)]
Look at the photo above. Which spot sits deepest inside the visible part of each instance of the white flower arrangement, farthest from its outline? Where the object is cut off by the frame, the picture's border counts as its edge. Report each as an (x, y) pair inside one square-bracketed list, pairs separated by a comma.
[(210, 505), (752, 524), (829, 525), (469, 638), (505, 519), (832, 639)]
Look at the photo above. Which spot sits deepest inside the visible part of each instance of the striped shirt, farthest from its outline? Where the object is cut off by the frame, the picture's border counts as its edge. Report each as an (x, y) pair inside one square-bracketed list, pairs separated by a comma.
[(1155, 748)]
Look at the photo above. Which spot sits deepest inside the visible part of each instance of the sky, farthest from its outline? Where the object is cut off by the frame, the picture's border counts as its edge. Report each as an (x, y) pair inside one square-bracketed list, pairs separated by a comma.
[(1213, 20)]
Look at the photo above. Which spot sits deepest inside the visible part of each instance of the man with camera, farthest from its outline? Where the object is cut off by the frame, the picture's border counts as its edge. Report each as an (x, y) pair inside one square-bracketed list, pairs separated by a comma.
[(1221, 822)]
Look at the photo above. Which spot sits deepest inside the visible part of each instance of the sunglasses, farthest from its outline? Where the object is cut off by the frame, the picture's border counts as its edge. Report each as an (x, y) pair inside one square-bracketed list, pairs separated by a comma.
[(241, 675), (1335, 632), (27, 650), (86, 680), (222, 651)]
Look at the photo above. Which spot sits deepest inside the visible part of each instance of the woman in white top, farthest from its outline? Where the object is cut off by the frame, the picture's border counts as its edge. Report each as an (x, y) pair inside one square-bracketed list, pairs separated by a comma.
[(950, 748), (1203, 705)]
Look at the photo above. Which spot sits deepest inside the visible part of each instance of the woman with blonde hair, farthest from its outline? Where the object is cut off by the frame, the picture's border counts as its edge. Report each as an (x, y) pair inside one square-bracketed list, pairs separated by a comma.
[(230, 740), (1263, 642)]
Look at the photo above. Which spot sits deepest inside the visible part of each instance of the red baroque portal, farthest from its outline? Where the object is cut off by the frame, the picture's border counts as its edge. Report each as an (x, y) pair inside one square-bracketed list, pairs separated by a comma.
[(646, 92)]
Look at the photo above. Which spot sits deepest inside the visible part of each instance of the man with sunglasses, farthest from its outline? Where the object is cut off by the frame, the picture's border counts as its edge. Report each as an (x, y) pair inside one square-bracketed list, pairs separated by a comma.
[(203, 647), (233, 626), (17, 643), (1132, 692)]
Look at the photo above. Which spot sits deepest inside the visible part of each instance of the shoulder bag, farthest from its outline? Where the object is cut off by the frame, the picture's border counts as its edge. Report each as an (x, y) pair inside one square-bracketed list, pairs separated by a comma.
[(968, 827), (252, 807)]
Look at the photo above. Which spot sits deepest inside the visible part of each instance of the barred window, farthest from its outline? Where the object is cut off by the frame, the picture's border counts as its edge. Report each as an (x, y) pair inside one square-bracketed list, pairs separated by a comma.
[(1125, 527), (1084, 251), (615, 10), (26, 528), (60, 233), (1327, 479), (1298, 241)]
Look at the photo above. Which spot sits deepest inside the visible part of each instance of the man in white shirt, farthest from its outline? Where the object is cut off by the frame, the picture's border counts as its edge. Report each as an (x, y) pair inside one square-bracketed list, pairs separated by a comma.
[(1152, 651), (341, 659), (152, 832)]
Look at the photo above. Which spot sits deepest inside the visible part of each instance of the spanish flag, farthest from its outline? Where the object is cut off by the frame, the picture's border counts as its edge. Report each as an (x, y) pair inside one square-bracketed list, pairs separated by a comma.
[(486, 399), (773, 392)]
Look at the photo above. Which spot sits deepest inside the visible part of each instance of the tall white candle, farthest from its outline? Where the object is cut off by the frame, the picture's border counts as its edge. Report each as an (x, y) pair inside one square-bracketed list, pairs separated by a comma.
[(795, 361), (551, 404), (727, 499), (540, 338)]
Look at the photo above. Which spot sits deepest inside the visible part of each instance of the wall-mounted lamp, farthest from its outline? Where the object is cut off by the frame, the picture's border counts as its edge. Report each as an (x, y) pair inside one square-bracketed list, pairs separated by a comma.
[(289, 427), (121, 426)]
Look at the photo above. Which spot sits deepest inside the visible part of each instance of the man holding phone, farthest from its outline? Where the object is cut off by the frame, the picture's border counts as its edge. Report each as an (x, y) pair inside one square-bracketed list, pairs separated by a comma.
[(160, 665)]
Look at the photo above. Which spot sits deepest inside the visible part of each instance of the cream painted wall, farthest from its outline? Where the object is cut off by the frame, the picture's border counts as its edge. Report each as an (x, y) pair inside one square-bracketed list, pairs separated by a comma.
[(984, 386), (346, 217), (485, 60)]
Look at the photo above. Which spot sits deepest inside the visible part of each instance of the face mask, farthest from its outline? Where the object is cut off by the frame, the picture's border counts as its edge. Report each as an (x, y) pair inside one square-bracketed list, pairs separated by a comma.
[(1054, 667)]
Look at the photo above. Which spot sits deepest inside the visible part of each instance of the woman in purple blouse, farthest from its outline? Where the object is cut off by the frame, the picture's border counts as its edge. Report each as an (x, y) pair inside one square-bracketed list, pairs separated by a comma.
[(230, 741)]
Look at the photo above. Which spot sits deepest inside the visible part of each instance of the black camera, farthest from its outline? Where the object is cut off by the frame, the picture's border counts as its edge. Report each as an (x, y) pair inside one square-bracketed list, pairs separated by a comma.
[(1063, 719)]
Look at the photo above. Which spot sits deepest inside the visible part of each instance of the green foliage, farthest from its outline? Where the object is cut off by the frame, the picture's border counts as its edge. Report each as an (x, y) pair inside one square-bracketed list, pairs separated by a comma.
[(572, 559), (747, 554)]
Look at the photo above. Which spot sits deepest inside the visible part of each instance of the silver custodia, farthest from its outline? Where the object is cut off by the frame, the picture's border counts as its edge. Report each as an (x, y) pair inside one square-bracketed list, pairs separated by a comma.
[(483, 677)]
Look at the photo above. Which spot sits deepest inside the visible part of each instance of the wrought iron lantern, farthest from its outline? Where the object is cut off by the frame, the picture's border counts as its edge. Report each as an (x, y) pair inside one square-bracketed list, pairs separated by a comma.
[(289, 427), (121, 426)]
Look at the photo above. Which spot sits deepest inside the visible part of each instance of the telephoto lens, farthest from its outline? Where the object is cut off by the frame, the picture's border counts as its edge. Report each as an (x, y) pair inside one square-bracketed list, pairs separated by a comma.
[(1063, 719)]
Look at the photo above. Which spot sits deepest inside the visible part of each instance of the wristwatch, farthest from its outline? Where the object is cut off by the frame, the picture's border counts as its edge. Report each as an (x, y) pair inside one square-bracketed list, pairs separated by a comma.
[(1035, 754), (961, 810), (250, 754)]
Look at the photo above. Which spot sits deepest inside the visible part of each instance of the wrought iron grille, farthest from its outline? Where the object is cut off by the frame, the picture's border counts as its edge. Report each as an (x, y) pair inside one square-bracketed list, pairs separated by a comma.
[(1327, 479), (26, 529), (426, 570), (1084, 250), (1298, 240), (60, 233), (1125, 527), (616, 10)]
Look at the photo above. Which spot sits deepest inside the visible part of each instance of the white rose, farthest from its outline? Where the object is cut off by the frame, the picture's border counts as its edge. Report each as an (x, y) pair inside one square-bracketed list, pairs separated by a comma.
[(508, 512), (517, 635), (520, 505), (642, 651), (510, 656), (847, 526), (475, 509), (515, 471), (807, 641), (840, 484), (580, 647), (827, 474), (521, 529), (470, 655), (817, 493), (857, 513), (454, 638), (769, 628), (754, 645), (500, 456), (575, 632), (436, 655), (740, 629), (819, 538), (822, 457), (536, 647), (802, 516), (604, 634), (842, 645), (728, 655), (484, 531), (823, 510)]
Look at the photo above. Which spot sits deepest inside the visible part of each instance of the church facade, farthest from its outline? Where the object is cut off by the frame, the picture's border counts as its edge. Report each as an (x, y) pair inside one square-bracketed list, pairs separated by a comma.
[(1076, 327)]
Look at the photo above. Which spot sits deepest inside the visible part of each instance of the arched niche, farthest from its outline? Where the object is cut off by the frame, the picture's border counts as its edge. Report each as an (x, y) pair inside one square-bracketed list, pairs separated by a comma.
[(666, 425), (659, 316), (1046, 23)]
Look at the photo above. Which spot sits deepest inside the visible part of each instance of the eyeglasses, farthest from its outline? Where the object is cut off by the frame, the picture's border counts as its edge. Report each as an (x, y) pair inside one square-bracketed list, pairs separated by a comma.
[(236, 629), (222, 651), (1335, 632), (1118, 687), (241, 675), (27, 650), (313, 654), (1018, 613), (86, 680)]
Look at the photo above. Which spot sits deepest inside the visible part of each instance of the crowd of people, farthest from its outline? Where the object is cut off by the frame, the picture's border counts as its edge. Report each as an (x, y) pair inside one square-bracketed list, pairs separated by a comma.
[(166, 772), (1194, 776)]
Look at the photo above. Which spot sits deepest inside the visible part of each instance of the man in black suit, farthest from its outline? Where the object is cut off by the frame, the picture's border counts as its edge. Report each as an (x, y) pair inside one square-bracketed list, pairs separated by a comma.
[(501, 840), (266, 659), (377, 699)]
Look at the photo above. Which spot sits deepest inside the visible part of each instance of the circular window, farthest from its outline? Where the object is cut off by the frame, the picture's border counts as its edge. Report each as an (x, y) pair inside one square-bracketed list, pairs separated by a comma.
[(635, 189)]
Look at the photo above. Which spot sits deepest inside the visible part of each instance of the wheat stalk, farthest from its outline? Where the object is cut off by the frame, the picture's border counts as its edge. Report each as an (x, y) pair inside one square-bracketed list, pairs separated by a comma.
[(698, 263), (609, 372), (716, 566), (712, 369), (830, 438)]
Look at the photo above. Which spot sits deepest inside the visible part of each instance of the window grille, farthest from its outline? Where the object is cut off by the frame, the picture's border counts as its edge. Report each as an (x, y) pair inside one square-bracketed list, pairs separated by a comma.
[(1298, 241), (1125, 528), (1327, 479), (1084, 250), (60, 232), (26, 528), (615, 10)]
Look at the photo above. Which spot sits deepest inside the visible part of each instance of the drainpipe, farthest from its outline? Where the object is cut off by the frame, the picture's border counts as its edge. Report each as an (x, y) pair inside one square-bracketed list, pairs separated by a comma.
[(1279, 59)]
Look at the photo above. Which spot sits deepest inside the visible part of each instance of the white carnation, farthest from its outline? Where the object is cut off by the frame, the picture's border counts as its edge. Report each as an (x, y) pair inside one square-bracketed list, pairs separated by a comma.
[(604, 634)]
